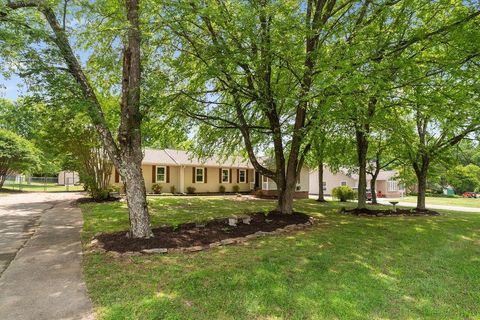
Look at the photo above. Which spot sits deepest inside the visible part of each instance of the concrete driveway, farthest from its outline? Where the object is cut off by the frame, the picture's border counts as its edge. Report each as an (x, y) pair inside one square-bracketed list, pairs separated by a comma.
[(40, 258)]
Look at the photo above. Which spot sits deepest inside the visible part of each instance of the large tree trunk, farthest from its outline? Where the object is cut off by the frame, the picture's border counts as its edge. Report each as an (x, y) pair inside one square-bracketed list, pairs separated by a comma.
[(321, 196), (362, 148), (421, 173), (285, 198), (137, 202)]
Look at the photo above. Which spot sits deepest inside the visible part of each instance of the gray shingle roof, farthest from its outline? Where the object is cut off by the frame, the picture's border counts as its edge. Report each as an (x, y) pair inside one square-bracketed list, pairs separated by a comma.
[(184, 158)]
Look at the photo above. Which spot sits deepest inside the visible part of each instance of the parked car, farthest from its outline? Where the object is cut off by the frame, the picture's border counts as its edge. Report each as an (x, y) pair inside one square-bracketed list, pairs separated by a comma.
[(468, 194)]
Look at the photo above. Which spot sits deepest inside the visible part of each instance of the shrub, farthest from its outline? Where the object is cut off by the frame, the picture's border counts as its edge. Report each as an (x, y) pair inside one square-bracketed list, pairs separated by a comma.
[(157, 188), (172, 189), (343, 193), (236, 188), (221, 189), (191, 190)]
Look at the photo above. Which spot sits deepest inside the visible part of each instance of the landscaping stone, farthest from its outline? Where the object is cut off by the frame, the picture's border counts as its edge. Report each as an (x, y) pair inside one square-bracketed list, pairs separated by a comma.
[(157, 250), (246, 220), (215, 244), (194, 249), (227, 241)]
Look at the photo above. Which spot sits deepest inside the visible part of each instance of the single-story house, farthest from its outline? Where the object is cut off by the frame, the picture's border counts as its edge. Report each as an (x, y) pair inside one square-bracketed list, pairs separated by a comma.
[(180, 169), (386, 182)]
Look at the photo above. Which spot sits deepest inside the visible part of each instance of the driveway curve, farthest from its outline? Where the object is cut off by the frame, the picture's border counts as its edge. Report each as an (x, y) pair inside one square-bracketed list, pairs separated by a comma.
[(40, 258)]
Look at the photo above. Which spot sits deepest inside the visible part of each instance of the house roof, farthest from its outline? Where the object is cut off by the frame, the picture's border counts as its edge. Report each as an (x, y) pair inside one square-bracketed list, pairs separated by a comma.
[(184, 158)]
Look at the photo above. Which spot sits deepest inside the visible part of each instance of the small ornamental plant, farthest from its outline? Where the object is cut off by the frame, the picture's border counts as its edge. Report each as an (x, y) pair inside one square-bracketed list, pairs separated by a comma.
[(157, 188), (191, 190), (343, 193)]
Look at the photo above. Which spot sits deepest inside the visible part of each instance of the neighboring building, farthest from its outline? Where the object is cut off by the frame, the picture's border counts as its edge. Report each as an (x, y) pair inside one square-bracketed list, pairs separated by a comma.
[(386, 182), (181, 170), (68, 178)]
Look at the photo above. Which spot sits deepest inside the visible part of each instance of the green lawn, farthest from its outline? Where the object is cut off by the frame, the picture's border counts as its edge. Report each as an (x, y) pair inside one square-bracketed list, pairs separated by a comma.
[(457, 201), (344, 267), (40, 187)]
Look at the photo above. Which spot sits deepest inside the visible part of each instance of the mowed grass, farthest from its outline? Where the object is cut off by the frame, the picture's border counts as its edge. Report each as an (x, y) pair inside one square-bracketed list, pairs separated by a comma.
[(39, 187), (453, 201), (343, 267)]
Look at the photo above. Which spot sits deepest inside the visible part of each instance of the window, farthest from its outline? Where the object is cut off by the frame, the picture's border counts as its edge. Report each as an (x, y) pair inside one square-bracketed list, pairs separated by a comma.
[(324, 185), (199, 175), (225, 175), (242, 176), (161, 174), (343, 183), (392, 185), (265, 178)]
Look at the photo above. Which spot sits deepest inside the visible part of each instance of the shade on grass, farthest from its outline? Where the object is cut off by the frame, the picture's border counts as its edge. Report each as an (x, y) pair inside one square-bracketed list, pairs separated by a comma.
[(344, 267), (450, 201)]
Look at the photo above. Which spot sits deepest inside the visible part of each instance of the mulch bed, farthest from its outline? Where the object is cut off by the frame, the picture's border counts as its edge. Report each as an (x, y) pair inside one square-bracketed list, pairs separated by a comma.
[(91, 200), (192, 234), (387, 212)]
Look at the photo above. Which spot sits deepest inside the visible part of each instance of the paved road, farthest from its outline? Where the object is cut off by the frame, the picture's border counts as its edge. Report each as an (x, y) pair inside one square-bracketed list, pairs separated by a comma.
[(385, 201), (40, 258), (430, 206)]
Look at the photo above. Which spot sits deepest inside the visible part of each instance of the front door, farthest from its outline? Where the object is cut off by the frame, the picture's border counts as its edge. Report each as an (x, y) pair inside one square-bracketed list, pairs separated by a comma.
[(257, 180)]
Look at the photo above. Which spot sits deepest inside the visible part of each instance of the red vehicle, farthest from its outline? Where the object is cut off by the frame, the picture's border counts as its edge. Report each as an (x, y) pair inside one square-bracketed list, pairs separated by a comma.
[(468, 194)]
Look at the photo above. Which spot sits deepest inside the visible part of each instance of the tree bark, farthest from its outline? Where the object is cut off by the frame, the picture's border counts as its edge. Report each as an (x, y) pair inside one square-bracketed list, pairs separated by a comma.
[(373, 190), (285, 199), (422, 189), (362, 148), (321, 196), (136, 199)]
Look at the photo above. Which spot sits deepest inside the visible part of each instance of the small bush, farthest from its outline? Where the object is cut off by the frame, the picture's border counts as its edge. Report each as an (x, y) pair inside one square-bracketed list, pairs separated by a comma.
[(343, 193), (114, 188), (236, 188), (157, 188), (173, 189), (221, 189), (99, 194), (191, 190)]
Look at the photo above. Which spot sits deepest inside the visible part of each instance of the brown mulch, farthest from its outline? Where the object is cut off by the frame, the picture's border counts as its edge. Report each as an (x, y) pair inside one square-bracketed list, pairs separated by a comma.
[(192, 234), (91, 200), (387, 212)]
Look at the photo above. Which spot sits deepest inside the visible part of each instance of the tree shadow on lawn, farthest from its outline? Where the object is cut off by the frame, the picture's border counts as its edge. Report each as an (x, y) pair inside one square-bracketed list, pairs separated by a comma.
[(348, 268)]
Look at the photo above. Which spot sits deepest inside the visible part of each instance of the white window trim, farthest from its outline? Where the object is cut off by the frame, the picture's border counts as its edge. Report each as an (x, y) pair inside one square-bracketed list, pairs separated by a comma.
[(392, 185), (244, 176), (164, 174), (203, 175), (342, 183), (228, 175)]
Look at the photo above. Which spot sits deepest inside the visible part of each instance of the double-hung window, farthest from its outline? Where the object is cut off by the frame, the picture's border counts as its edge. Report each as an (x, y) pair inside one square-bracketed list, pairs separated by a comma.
[(161, 175), (242, 176), (392, 185), (200, 175), (343, 183), (225, 175)]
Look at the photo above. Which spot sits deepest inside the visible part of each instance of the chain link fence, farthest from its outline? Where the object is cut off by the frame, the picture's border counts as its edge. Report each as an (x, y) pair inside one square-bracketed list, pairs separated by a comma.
[(39, 184)]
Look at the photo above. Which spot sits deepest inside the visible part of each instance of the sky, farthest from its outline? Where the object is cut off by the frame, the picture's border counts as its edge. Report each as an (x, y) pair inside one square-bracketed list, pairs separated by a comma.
[(9, 87)]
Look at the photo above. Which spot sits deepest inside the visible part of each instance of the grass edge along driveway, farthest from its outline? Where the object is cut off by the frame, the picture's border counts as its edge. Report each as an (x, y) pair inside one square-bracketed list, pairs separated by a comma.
[(344, 267)]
